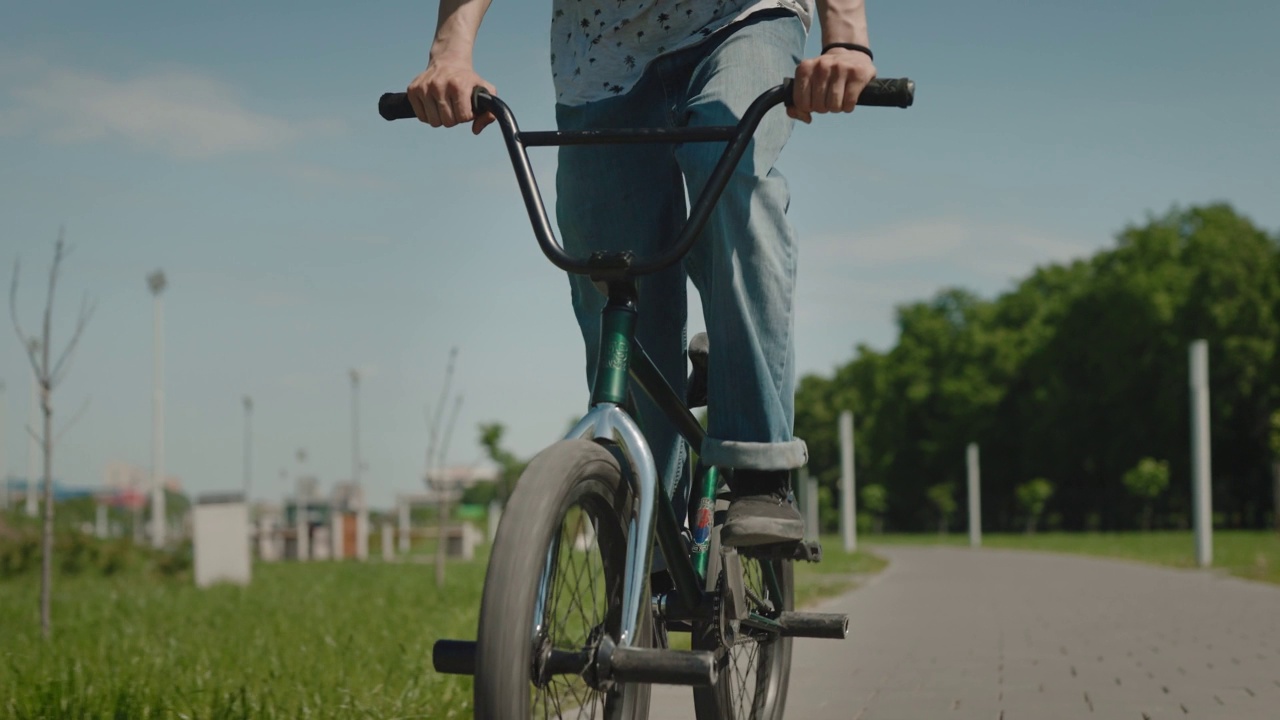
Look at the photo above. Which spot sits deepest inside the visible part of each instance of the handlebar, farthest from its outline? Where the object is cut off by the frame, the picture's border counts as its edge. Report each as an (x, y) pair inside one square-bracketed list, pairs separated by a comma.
[(898, 92)]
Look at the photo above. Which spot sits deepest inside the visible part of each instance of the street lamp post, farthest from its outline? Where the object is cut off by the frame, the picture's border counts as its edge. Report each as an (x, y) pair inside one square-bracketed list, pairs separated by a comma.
[(156, 282), (248, 447), (362, 512)]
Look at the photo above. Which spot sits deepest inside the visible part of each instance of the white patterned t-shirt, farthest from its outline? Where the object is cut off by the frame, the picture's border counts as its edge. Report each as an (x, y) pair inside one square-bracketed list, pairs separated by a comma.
[(599, 48)]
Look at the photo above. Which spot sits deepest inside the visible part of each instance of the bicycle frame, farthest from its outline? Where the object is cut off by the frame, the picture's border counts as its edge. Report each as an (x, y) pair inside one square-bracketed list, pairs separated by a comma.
[(621, 360)]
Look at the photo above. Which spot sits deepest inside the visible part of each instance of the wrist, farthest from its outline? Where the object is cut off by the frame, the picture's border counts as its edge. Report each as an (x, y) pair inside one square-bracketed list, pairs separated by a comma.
[(849, 47)]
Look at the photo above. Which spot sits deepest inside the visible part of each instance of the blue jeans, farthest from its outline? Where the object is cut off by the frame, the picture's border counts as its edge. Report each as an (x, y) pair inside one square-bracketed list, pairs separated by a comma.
[(632, 197)]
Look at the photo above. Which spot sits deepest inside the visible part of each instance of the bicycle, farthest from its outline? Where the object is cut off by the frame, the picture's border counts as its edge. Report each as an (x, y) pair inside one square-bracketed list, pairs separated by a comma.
[(584, 515)]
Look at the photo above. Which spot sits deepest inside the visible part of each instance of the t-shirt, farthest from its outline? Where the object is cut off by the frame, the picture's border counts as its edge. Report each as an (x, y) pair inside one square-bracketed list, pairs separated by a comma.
[(599, 48)]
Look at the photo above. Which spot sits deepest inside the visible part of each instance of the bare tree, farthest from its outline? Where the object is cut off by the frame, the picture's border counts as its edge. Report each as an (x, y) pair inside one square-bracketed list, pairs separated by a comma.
[(436, 452), (49, 374)]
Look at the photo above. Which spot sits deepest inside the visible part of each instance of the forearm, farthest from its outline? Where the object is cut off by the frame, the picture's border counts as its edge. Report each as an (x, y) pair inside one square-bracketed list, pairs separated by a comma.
[(843, 21), (456, 29)]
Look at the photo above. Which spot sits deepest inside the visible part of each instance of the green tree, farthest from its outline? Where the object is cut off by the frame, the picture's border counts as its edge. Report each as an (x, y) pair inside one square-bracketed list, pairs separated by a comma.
[(1033, 495), (509, 466), (876, 502), (943, 498), (1147, 481)]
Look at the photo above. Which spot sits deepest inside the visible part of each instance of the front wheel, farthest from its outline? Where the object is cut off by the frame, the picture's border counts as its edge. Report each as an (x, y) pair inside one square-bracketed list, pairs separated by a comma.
[(554, 584)]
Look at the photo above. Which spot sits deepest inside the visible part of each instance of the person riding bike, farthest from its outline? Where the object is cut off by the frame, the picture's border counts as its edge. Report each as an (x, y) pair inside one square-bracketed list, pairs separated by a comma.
[(624, 63)]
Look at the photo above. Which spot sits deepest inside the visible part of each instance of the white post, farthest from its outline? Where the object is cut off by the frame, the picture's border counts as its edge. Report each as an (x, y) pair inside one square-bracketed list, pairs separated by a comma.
[(156, 281), (33, 448), (495, 516), (1201, 465), (304, 530), (975, 496), (4, 468), (362, 529), (811, 518), (404, 526), (848, 503), (336, 525), (388, 547), (100, 521)]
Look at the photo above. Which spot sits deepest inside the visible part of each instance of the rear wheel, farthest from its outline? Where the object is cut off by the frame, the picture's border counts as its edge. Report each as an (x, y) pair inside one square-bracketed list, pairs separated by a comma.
[(567, 519), (754, 667)]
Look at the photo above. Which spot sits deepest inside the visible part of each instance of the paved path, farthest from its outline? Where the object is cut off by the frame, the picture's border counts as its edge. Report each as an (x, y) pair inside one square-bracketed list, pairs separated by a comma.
[(954, 634)]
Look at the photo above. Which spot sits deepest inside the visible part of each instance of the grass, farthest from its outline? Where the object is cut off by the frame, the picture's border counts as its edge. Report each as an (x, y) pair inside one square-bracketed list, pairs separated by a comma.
[(309, 640), (1251, 554), (304, 640)]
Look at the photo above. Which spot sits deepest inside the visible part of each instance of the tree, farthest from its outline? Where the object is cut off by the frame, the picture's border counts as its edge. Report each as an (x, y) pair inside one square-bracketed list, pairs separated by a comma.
[(1147, 481), (1032, 497), (943, 498), (876, 501), (49, 373), (510, 466)]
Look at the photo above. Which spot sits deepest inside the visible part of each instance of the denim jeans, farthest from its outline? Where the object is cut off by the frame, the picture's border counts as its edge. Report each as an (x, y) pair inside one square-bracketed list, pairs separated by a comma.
[(744, 264)]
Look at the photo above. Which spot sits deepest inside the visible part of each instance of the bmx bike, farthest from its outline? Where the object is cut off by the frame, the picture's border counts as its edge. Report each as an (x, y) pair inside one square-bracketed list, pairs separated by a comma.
[(571, 621)]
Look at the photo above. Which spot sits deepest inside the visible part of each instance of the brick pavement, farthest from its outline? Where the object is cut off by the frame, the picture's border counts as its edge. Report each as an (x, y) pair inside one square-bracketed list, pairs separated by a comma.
[(955, 634)]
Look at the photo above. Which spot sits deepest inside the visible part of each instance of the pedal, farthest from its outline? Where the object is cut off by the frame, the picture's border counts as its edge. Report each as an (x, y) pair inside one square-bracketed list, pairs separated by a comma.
[(829, 626), (797, 551), (655, 666), (454, 657)]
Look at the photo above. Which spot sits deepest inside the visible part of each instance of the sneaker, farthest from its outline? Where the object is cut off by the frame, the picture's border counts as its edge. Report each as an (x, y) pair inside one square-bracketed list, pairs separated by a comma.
[(766, 518)]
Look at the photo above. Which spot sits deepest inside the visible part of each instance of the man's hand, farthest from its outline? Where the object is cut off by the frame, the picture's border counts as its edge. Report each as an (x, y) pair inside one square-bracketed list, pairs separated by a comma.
[(441, 95), (830, 83)]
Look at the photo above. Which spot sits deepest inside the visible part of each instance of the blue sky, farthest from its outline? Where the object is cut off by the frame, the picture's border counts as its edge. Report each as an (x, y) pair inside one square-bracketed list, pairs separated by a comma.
[(235, 145)]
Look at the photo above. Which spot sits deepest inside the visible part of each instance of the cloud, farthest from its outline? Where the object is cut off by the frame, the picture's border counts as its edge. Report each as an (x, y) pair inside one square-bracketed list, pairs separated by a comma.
[(989, 251), (179, 112)]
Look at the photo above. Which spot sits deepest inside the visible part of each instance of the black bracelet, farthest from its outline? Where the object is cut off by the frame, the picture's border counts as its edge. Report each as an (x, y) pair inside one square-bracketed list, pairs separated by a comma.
[(849, 46)]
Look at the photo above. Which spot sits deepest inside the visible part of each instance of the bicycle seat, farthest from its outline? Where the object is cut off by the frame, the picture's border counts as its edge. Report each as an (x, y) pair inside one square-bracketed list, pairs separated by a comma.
[(699, 350)]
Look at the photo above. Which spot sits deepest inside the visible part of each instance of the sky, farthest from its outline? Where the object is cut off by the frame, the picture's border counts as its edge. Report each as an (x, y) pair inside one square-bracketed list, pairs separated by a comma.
[(236, 146)]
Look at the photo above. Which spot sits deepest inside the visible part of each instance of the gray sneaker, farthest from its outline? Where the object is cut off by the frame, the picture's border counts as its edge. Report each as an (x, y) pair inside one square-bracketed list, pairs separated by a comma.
[(762, 519)]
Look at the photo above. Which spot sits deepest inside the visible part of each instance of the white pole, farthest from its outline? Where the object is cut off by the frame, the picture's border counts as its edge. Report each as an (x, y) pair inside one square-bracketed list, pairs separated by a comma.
[(811, 518), (248, 449), (362, 506), (33, 447), (388, 549), (304, 529), (404, 526), (156, 281), (848, 505), (975, 496), (1201, 464), (4, 468)]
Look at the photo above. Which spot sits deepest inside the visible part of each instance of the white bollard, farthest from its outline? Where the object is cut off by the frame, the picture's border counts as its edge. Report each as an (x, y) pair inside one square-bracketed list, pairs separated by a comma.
[(404, 527), (304, 532), (848, 501), (388, 543), (811, 519), (975, 496), (220, 540), (362, 532), (495, 516), (1201, 466), (337, 536)]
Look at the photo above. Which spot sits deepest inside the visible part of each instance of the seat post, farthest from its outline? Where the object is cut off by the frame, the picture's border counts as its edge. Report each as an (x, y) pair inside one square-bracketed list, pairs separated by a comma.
[(617, 330)]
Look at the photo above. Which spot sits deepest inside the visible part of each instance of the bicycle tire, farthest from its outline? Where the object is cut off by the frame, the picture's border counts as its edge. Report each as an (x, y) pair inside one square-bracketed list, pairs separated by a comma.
[(570, 474), (753, 676)]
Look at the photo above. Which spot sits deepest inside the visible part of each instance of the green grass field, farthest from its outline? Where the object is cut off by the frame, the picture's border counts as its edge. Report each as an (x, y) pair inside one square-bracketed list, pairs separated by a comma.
[(1249, 554), (309, 640)]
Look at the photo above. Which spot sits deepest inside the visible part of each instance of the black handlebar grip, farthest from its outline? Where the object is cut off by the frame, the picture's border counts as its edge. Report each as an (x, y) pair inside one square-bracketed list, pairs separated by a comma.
[(395, 106), (888, 92)]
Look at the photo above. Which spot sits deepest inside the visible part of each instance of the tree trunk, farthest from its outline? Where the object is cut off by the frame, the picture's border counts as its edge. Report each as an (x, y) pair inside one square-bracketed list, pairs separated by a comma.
[(442, 510), (46, 547)]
